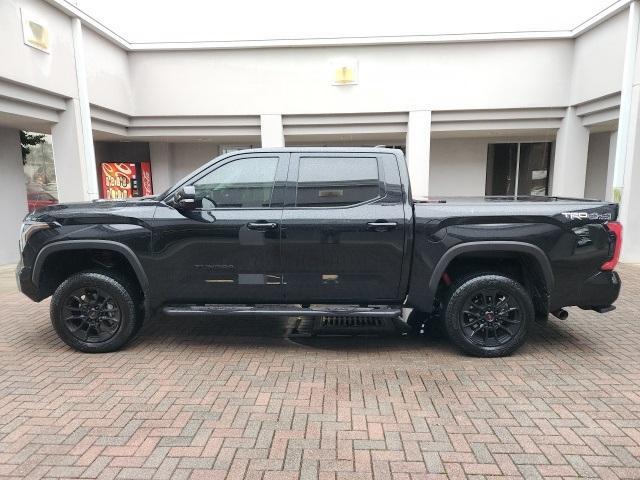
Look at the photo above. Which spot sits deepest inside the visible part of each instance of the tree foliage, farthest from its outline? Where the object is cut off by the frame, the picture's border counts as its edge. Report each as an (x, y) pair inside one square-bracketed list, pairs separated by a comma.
[(28, 140)]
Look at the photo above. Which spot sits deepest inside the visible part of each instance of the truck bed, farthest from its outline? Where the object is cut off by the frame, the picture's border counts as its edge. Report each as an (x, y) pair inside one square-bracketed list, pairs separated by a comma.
[(503, 198), (566, 235)]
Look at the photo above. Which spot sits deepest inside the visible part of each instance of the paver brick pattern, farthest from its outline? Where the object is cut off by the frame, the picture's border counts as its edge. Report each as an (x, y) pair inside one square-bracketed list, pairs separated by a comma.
[(238, 399)]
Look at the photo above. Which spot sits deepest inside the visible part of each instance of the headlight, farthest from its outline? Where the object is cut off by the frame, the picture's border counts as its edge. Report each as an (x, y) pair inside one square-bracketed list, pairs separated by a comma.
[(27, 229)]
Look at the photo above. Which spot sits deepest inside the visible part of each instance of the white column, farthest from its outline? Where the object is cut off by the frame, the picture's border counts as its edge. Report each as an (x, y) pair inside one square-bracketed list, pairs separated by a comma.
[(13, 194), (611, 162), (626, 177), (271, 131), (161, 174), (630, 200), (88, 154), (418, 149), (625, 120), (72, 137), (68, 155), (570, 160)]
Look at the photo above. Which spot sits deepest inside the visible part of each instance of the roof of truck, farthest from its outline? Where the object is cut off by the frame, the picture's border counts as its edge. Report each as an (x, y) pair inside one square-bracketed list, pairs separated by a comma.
[(377, 149)]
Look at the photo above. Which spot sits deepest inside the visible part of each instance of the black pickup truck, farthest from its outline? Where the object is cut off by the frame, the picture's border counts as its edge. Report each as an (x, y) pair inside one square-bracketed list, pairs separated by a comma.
[(328, 232)]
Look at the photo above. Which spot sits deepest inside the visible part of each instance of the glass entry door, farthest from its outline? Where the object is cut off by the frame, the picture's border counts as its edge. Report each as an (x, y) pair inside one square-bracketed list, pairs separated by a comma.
[(518, 168)]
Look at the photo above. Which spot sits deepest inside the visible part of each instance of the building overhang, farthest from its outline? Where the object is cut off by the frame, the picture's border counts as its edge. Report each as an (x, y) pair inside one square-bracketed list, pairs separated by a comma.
[(129, 46)]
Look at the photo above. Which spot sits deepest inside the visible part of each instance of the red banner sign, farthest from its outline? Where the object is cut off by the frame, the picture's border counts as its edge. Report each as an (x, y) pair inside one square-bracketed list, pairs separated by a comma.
[(147, 185)]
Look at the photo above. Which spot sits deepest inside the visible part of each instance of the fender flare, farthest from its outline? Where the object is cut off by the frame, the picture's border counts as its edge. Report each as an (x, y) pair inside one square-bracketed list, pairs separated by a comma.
[(66, 245), (492, 246)]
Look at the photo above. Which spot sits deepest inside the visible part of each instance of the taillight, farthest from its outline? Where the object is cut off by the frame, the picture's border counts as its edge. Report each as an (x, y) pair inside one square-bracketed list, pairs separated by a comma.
[(615, 231)]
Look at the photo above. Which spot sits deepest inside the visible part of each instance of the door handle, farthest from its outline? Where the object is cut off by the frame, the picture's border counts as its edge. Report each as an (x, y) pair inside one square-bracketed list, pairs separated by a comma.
[(381, 226), (262, 225)]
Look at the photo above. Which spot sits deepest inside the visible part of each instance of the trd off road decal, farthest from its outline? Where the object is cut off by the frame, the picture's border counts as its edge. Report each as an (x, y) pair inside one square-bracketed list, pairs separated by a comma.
[(586, 216)]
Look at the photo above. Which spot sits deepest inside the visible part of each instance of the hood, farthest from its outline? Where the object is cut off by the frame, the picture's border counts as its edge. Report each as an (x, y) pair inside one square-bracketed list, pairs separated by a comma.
[(96, 211)]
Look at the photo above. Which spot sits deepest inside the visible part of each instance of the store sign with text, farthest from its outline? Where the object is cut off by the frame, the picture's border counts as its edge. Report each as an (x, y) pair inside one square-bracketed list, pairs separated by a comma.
[(126, 180)]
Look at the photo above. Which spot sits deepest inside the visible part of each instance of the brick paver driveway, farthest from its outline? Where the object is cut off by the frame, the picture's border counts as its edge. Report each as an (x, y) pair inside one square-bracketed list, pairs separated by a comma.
[(205, 399)]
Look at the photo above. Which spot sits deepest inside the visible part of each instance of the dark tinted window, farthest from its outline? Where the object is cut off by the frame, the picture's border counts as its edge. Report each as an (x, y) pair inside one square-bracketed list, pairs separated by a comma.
[(533, 174), (332, 181), (502, 164), (243, 183), (518, 169)]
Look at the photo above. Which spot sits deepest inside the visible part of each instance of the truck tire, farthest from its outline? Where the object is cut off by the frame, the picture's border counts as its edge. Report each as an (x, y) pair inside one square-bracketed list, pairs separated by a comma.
[(95, 312), (488, 315)]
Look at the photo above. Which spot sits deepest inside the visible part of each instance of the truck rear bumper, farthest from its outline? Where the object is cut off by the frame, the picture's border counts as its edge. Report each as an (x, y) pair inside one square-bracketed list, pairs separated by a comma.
[(602, 289)]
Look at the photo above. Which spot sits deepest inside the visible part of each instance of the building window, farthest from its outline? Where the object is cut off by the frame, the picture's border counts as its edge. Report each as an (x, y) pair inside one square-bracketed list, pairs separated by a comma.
[(39, 170), (234, 148), (518, 168)]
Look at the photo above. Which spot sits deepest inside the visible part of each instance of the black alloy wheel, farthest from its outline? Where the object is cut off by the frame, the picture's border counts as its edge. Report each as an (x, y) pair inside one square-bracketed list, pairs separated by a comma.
[(91, 315), (491, 318), (96, 312), (488, 315)]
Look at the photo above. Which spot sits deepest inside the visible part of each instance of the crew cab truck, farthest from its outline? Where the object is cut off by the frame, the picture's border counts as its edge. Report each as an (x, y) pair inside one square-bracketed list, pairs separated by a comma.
[(319, 232)]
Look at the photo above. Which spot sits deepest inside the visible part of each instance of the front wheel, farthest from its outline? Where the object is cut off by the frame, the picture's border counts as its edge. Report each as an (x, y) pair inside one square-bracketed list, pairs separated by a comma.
[(488, 315), (94, 312)]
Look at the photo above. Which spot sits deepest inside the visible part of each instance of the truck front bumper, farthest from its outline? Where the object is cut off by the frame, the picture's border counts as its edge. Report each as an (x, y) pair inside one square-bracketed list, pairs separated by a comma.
[(25, 282)]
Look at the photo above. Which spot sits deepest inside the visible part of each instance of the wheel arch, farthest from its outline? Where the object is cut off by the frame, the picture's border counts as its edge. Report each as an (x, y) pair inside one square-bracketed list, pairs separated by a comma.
[(495, 247), (88, 245), (532, 252)]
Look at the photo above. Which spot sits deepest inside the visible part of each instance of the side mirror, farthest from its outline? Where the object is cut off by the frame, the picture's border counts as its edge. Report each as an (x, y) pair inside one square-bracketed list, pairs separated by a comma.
[(185, 198)]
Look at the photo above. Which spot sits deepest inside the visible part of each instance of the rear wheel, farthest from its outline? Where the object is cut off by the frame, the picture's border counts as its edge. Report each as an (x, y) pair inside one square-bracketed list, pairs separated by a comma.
[(488, 315), (94, 312)]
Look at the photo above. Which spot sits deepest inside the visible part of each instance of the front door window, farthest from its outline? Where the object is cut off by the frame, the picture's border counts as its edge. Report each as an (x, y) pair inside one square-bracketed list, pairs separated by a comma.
[(244, 183)]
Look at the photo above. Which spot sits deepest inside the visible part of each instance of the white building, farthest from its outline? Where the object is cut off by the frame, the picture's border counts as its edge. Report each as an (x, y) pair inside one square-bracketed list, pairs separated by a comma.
[(561, 106)]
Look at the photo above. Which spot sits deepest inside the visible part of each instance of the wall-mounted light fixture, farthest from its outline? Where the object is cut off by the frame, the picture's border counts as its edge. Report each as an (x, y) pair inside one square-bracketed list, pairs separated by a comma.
[(35, 32), (345, 71)]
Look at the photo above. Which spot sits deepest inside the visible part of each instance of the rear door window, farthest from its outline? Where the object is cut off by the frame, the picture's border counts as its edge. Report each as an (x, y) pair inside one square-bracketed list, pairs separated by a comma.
[(337, 181)]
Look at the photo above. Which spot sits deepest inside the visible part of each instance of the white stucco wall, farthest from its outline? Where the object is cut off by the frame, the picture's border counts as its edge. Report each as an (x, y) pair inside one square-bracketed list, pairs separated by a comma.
[(107, 68), (391, 78), (598, 60), (187, 156), (13, 194), (473, 75), (54, 71), (458, 166)]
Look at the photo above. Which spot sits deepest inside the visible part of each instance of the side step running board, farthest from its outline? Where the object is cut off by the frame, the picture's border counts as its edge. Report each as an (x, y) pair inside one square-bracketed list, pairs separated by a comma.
[(282, 310)]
